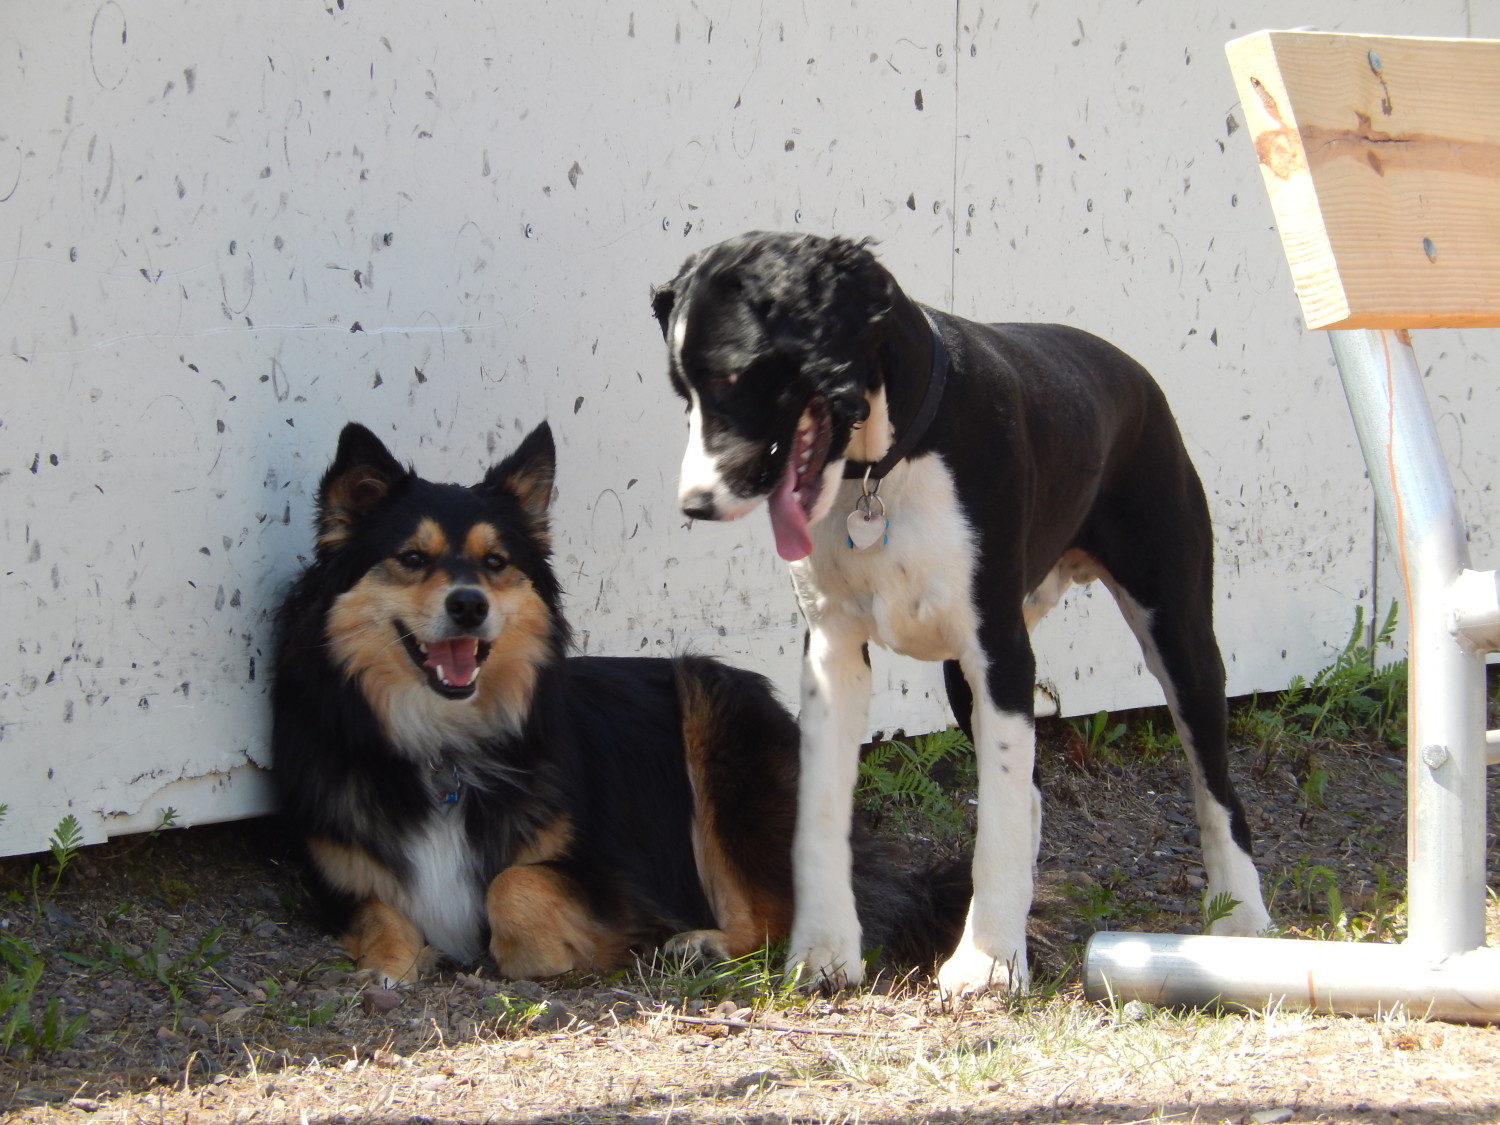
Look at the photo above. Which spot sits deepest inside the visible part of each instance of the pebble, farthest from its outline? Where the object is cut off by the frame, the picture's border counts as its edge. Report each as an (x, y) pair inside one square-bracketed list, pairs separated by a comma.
[(756, 1080), (556, 1016), (379, 1001), (1269, 1117), (527, 989)]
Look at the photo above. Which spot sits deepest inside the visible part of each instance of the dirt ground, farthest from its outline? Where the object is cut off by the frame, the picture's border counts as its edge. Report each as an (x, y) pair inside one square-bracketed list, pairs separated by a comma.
[(203, 992)]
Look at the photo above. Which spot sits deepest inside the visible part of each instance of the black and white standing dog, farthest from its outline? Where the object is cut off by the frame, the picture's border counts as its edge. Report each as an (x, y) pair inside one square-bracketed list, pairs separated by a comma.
[(937, 484)]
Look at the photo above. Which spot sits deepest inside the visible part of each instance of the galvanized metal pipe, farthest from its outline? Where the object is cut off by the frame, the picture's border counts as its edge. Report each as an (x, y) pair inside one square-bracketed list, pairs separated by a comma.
[(1442, 970), (1257, 974), (1447, 754)]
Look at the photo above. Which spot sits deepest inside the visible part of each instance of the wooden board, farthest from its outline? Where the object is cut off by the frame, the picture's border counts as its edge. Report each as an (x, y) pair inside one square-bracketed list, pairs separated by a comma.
[(1382, 159)]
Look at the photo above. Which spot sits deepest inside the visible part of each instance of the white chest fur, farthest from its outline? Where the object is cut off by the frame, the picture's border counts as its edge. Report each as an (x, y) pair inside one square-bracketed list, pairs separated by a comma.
[(911, 594), (444, 899)]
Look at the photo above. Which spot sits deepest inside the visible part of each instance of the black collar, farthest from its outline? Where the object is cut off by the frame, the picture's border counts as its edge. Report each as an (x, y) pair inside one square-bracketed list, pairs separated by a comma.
[(858, 470)]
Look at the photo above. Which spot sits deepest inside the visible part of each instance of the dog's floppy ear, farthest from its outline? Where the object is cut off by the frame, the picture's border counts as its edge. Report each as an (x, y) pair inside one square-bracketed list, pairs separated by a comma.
[(360, 480), (528, 474), (663, 297), (860, 290)]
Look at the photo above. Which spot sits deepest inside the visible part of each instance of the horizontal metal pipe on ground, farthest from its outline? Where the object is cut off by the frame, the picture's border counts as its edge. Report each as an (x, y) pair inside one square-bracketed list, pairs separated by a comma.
[(1349, 978)]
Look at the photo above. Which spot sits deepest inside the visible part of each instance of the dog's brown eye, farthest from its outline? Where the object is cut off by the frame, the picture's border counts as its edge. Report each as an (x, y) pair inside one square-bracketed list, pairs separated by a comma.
[(412, 560), (495, 562)]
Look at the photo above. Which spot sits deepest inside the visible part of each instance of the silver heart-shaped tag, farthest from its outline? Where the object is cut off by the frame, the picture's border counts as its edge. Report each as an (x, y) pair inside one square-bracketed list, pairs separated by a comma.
[(866, 528)]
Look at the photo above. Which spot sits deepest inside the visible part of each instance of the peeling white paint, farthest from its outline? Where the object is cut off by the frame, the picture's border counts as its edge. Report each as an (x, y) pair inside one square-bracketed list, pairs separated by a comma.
[(226, 231)]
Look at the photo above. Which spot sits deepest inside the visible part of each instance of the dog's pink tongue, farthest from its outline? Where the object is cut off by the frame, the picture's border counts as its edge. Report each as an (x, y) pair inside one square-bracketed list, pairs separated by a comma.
[(454, 660), (788, 520)]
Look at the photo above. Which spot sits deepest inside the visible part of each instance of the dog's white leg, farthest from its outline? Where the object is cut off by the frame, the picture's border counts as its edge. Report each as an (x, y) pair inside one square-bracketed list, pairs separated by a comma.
[(992, 952), (1229, 867), (835, 708)]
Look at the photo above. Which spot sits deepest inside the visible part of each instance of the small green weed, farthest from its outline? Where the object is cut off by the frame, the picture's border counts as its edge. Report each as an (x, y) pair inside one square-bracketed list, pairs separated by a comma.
[(1314, 895), (1218, 908), (21, 970), (754, 980), (284, 1007), (1101, 903), (512, 1013), (1354, 693), (896, 779), (1093, 742)]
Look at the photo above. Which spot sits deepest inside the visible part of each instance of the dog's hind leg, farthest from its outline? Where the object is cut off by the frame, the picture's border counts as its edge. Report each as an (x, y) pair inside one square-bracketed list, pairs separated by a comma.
[(740, 750), (1178, 644), (540, 926), (825, 944)]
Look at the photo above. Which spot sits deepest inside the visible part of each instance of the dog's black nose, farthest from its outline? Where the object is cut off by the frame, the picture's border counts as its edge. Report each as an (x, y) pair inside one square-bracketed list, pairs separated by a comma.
[(467, 607), (699, 505)]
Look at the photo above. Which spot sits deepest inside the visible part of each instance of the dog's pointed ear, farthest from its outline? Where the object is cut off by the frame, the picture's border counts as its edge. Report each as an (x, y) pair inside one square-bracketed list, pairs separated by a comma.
[(360, 480), (663, 298), (528, 474)]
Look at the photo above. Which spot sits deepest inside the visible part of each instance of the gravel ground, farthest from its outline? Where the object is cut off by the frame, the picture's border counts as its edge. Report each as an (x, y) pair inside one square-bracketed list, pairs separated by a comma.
[(203, 991)]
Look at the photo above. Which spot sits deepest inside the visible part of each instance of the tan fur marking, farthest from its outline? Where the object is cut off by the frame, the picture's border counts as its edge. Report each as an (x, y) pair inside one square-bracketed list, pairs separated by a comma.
[(539, 929), (385, 941), (353, 870), (480, 541), (509, 675), (534, 490), (429, 539), (747, 916), (357, 491), (547, 844)]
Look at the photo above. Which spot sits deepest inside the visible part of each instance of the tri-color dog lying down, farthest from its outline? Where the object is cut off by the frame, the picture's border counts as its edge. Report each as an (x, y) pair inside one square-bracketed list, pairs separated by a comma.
[(460, 782), (937, 484)]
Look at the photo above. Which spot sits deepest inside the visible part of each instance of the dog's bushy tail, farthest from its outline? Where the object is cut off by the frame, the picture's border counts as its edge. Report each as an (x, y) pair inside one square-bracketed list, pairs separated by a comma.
[(912, 913)]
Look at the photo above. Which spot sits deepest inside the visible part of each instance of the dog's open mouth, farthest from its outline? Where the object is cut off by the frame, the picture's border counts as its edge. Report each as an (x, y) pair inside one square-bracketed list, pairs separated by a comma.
[(452, 665), (792, 501)]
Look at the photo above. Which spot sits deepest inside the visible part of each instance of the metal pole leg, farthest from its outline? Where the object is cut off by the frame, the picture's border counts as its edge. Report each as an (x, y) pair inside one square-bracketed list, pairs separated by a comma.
[(1447, 753)]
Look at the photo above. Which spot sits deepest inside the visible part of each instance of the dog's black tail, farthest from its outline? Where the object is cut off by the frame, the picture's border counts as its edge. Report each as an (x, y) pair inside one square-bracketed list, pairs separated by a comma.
[(912, 914)]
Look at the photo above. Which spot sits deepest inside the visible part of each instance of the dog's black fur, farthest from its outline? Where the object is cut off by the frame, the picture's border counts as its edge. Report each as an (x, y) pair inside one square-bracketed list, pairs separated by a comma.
[(460, 782), (1051, 457)]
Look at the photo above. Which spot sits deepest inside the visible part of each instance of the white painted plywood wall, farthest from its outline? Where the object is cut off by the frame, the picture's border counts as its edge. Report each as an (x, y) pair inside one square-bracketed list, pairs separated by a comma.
[(225, 231)]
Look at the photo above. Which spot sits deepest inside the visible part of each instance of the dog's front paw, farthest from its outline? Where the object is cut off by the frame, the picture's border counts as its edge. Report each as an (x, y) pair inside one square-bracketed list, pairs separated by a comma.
[(698, 945), (820, 967), (972, 972)]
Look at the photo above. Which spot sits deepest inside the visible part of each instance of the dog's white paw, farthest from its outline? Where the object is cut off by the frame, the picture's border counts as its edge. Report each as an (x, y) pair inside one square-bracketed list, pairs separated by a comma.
[(972, 972), (1248, 919), (697, 945), (823, 968)]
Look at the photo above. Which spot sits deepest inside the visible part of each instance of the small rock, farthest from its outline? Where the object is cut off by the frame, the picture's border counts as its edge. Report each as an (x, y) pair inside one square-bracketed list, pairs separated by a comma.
[(527, 989), (1269, 1117), (234, 1015), (1135, 1011), (522, 1052), (555, 1016), (168, 1036), (87, 1105), (193, 1026), (378, 1001), (756, 1080)]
